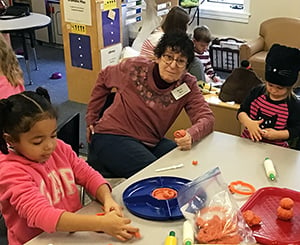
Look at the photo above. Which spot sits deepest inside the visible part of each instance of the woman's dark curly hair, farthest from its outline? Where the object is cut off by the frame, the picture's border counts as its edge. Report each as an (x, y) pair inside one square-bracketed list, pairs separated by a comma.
[(179, 42), (19, 113)]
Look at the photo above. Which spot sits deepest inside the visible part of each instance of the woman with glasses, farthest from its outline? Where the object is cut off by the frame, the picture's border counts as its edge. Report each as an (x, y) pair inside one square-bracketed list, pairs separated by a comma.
[(150, 94), (176, 20)]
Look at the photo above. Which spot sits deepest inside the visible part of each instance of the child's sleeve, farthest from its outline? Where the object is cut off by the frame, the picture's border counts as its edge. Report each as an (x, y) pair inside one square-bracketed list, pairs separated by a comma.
[(293, 123), (28, 207), (196, 69), (254, 93), (84, 174), (108, 78), (200, 114), (208, 68)]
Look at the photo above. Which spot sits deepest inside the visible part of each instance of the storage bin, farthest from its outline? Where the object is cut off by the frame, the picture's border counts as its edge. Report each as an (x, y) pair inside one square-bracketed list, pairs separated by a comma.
[(225, 53)]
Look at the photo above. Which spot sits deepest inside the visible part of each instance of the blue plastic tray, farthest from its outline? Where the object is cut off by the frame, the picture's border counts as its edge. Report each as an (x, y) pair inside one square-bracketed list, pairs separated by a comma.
[(139, 201)]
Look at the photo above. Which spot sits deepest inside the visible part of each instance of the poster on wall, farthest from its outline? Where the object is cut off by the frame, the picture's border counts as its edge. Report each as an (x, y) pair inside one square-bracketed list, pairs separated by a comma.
[(80, 48), (110, 55), (111, 27), (78, 11), (110, 4)]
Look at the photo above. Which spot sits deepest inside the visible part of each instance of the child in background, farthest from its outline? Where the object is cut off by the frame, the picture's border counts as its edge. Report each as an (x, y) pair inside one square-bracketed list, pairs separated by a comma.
[(11, 75), (246, 64), (239, 83), (202, 38), (271, 112), (39, 174), (177, 19)]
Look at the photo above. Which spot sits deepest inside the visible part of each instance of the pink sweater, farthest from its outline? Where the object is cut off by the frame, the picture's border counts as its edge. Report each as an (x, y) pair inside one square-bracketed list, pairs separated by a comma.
[(6, 89), (141, 110), (34, 195)]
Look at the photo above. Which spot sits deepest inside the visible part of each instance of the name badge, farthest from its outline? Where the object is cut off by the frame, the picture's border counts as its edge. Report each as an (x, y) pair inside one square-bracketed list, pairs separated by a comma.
[(180, 91)]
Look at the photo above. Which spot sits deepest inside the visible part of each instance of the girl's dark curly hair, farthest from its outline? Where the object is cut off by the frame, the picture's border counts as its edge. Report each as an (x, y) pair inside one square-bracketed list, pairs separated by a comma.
[(19, 113), (179, 42)]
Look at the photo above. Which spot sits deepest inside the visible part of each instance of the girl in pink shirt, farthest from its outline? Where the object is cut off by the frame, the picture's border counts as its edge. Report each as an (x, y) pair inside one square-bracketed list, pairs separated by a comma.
[(11, 75), (40, 174)]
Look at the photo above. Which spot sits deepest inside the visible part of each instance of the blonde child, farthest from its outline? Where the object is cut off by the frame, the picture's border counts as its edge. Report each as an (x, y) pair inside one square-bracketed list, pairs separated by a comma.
[(39, 174), (11, 75), (271, 112)]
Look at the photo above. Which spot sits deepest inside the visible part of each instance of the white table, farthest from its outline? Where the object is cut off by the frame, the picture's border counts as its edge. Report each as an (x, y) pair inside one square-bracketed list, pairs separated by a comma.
[(26, 25), (238, 159)]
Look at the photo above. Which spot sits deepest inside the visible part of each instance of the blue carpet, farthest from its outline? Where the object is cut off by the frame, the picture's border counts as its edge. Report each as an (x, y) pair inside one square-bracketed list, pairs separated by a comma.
[(50, 60)]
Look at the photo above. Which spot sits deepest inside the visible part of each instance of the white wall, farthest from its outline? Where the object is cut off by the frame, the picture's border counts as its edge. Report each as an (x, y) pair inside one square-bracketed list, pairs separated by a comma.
[(260, 10)]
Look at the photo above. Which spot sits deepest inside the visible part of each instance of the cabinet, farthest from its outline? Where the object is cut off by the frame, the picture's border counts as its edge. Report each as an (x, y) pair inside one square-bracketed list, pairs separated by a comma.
[(92, 36), (133, 11), (225, 117), (225, 54), (56, 29)]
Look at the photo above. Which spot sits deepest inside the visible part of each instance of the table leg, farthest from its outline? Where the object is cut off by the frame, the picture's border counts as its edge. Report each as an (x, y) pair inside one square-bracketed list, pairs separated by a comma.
[(25, 50), (196, 14), (32, 43)]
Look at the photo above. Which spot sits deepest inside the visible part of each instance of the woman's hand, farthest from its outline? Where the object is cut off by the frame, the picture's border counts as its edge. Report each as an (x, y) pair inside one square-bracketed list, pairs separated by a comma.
[(184, 142), (89, 133)]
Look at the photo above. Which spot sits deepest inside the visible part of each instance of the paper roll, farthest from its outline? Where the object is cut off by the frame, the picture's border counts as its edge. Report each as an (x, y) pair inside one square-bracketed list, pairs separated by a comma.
[(188, 233)]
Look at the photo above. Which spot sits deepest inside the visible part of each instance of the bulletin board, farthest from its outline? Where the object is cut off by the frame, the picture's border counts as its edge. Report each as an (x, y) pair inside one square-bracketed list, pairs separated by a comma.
[(88, 27), (92, 37)]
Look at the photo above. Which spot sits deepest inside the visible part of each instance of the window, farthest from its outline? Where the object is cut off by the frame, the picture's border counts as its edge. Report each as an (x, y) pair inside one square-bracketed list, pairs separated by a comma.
[(228, 1), (230, 10)]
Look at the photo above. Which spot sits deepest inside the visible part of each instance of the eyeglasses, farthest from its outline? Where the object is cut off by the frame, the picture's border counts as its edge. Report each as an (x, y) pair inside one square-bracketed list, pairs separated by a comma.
[(168, 59)]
